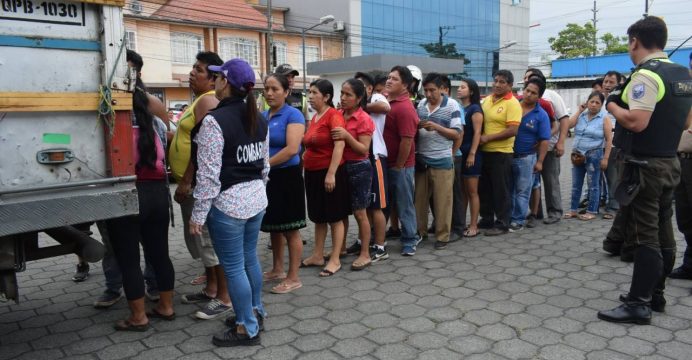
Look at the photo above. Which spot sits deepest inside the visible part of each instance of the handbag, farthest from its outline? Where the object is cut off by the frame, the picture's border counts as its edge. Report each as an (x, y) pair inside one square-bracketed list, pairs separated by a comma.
[(577, 158)]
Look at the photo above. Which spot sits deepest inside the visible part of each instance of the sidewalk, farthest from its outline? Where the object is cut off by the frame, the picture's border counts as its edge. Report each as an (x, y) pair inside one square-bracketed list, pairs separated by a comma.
[(528, 295)]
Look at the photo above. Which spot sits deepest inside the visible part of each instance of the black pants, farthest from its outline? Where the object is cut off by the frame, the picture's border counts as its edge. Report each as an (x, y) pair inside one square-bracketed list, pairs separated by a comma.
[(150, 228), (683, 209), (495, 188)]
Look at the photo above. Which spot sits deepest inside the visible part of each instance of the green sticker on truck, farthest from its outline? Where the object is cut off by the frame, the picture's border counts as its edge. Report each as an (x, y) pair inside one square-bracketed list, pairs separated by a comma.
[(50, 138)]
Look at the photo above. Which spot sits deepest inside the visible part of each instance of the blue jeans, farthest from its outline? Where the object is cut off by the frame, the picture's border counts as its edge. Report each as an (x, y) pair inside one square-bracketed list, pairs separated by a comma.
[(111, 270), (235, 242), (401, 191), (523, 179), (592, 169)]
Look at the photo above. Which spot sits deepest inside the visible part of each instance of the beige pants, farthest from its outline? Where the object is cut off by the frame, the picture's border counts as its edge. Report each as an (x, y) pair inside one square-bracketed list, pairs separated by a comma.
[(438, 184), (200, 247)]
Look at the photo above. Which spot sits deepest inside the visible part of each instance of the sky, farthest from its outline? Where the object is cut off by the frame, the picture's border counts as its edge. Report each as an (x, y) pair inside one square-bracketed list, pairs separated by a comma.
[(613, 16)]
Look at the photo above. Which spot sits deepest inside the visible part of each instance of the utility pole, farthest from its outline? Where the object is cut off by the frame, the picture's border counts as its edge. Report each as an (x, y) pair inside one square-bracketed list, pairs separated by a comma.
[(646, 8), (595, 20), (443, 34), (270, 40)]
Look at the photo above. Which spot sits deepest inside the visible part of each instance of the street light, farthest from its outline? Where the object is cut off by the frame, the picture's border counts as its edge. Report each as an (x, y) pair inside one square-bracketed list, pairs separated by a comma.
[(323, 20), (511, 43)]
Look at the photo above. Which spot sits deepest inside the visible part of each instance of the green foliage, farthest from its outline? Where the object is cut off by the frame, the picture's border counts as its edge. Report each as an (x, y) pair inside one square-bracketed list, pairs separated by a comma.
[(574, 41), (614, 44), (446, 51)]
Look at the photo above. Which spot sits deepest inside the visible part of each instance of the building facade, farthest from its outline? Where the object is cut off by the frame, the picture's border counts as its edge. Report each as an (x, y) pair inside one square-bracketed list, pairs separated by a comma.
[(476, 28), (169, 33)]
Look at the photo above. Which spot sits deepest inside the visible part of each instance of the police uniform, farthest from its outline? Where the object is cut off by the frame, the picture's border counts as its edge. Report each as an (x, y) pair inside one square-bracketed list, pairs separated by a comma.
[(295, 99), (650, 174)]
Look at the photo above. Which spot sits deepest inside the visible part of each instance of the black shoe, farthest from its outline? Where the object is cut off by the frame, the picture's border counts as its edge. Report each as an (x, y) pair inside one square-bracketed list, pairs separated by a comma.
[(353, 249), (439, 245), (378, 253), (230, 337), (658, 302), (484, 224), (392, 233), (230, 321), (551, 220), (531, 221), (628, 313), (82, 272), (627, 256), (681, 273), (496, 232), (612, 247)]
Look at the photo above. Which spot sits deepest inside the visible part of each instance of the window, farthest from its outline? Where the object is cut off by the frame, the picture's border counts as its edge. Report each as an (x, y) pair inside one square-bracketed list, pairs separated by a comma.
[(131, 38), (230, 48), (184, 47), (312, 54), (281, 51)]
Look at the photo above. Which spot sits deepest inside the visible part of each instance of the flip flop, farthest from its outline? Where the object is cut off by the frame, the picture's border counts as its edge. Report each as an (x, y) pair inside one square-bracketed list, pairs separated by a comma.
[(304, 265), (341, 256), (328, 273), (587, 217), (468, 234), (570, 215), (153, 313), (199, 280), (267, 276), (359, 267), (126, 325), (608, 216), (285, 288)]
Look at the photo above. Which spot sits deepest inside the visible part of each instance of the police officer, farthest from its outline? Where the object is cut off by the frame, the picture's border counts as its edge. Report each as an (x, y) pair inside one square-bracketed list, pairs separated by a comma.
[(295, 99), (652, 110)]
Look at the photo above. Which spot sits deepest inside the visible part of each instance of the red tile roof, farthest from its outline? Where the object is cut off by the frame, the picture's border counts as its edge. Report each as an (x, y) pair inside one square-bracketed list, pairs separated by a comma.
[(222, 12)]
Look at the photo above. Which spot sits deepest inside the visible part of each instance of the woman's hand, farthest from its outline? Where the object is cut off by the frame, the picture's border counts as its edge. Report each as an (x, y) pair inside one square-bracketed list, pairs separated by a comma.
[(339, 133), (604, 164), (329, 182), (470, 160), (195, 229)]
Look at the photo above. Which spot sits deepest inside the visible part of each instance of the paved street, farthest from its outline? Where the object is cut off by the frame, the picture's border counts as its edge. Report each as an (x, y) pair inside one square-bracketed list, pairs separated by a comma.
[(529, 295)]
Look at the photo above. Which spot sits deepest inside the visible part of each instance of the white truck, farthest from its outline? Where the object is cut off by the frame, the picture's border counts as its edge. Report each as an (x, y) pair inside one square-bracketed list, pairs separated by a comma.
[(65, 128)]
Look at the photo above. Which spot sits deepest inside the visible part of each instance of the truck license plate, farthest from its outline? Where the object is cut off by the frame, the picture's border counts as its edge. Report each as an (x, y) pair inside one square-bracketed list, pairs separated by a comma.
[(43, 11)]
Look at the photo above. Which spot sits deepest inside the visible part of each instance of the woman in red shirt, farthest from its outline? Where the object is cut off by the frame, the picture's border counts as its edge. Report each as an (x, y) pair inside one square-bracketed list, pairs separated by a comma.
[(326, 187), (357, 135)]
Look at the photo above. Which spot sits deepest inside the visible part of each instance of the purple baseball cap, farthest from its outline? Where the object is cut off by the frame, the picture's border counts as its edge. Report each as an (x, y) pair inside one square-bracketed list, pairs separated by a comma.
[(238, 72)]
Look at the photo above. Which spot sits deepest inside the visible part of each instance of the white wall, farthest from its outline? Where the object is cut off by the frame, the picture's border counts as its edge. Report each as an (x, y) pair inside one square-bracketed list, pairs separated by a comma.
[(514, 26)]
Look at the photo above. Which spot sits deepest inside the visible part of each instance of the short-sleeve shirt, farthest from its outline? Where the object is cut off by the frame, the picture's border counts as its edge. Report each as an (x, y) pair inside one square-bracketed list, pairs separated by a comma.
[(358, 124), (401, 122), (318, 142), (378, 147), (499, 115), (468, 127), (642, 91), (278, 123), (534, 127), (560, 112), (431, 144)]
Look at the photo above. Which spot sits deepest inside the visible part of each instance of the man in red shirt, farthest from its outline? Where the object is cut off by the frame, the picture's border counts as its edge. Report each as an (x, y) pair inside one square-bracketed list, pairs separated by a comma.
[(400, 127)]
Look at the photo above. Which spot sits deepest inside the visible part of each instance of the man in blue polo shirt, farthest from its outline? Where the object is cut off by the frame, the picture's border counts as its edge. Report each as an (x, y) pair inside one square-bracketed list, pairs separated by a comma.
[(530, 147)]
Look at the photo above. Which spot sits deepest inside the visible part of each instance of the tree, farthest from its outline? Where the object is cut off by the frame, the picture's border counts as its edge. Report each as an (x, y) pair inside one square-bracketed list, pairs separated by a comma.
[(446, 51), (614, 44), (574, 41)]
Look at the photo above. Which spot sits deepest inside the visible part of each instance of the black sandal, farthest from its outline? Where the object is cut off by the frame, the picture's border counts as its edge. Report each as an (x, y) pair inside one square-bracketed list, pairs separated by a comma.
[(126, 325), (157, 315)]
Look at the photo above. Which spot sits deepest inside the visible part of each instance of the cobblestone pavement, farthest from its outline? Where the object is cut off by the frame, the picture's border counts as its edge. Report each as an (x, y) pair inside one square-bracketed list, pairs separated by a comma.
[(529, 295)]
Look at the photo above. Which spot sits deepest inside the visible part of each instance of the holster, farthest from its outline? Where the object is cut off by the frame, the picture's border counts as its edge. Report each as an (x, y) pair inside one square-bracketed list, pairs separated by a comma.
[(630, 183)]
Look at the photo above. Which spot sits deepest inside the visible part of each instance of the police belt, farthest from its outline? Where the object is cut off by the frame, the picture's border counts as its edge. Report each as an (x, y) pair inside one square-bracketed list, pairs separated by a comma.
[(685, 155)]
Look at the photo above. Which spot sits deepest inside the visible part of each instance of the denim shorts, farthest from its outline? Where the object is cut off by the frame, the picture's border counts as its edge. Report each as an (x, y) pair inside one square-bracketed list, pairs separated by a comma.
[(536, 181), (475, 170), (359, 180)]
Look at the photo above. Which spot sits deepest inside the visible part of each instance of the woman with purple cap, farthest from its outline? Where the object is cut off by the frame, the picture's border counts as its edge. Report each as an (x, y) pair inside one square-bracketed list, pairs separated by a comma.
[(231, 157)]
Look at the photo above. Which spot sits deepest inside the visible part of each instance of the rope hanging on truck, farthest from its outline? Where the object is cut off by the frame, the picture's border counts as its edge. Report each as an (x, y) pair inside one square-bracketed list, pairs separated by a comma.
[(106, 111)]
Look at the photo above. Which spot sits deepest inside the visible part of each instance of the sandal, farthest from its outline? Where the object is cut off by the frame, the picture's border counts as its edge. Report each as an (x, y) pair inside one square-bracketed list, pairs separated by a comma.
[(587, 217), (570, 215), (269, 276), (199, 280), (470, 233), (305, 265), (153, 313), (327, 273), (285, 288), (328, 256), (360, 266), (608, 216), (126, 325)]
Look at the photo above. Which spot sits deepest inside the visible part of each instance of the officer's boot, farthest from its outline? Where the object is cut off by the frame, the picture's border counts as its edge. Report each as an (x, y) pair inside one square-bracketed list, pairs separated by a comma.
[(612, 246), (615, 239), (647, 272), (658, 301), (627, 252)]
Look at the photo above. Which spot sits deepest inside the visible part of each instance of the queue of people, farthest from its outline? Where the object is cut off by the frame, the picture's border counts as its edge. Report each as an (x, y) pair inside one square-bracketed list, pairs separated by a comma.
[(244, 167)]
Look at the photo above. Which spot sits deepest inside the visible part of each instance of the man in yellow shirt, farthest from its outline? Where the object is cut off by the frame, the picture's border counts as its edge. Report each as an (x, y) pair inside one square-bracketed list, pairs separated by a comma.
[(502, 116), (202, 85)]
